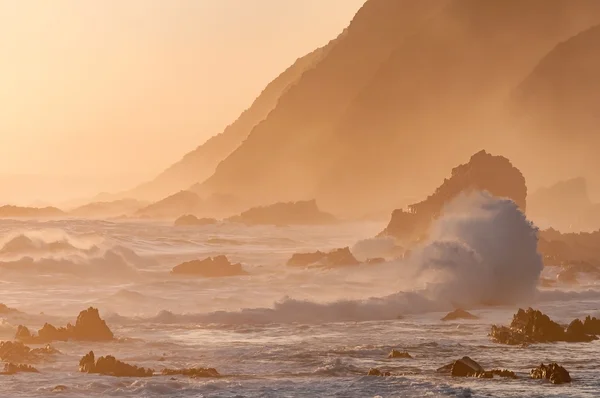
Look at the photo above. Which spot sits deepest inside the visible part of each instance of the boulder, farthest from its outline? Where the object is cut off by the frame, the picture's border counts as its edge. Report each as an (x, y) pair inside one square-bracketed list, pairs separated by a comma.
[(110, 366), (210, 267), (191, 372), (11, 369), (88, 327), (554, 373), (377, 372), (60, 388), (191, 220), (336, 258), (532, 326), (466, 367), (459, 314), (399, 354)]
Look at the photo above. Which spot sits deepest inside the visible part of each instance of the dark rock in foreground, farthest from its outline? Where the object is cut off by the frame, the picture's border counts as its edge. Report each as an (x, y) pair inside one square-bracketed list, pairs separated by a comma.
[(466, 367), (377, 372), (211, 267), (399, 354), (532, 326), (191, 372), (191, 220), (11, 369), (110, 366), (335, 258), (88, 327), (291, 213), (554, 373), (16, 351), (459, 314)]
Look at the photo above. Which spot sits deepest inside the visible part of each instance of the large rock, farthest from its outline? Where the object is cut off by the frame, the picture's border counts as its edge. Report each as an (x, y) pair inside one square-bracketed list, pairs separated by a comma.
[(211, 267), (483, 172), (554, 373), (11, 369), (459, 314), (16, 351), (88, 327), (190, 220), (532, 326), (576, 252), (336, 258), (110, 366), (290, 213), (394, 354)]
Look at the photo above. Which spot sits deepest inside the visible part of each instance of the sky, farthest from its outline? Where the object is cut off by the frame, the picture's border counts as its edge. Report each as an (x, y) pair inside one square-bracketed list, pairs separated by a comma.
[(109, 93)]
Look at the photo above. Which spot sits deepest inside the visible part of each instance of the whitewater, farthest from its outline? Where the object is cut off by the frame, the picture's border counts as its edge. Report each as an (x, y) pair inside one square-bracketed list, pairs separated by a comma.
[(287, 332)]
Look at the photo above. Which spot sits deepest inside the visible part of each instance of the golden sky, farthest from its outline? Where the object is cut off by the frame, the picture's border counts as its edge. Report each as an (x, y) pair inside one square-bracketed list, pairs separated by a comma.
[(119, 89)]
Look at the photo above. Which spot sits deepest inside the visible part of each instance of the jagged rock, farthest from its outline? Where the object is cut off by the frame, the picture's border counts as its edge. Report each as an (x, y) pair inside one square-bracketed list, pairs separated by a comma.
[(88, 327), (483, 172), (191, 220), (554, 373), (377, 372), (399, 354), (466, 367), (532, 326), (210, 267), (591, 325), (335, 258), (11, 369), (291, 213), (459, 314), (16, 351), (191, 372), (504, 373), (110, 366)]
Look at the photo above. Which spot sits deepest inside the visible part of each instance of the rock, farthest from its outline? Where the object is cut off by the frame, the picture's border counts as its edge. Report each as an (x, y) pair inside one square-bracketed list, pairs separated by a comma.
[(532, 326), (110, 366), (11, 369), (88, 327), (376, 260), (459, 314), (16, 351), (191, 220), (211, 267), (466, 367), (335, 258), (399, 354), (192, 372), (5, 310), (290, 213), (60, 388), (504, 373), (377, 372), (483, 172), (591, 325), (555, 373)]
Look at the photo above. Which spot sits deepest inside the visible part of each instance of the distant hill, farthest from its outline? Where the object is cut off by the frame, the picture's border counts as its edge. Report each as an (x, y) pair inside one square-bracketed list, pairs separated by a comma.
[(30, 212), (410, 89), (108, 209), (200, 163), (173, 206)]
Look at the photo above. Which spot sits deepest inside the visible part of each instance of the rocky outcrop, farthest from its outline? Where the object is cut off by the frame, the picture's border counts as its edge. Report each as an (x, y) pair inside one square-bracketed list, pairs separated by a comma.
[(399, 354), (16, 351), (173, 206), (483, 172), (290, 213), (88, 327), (377, 372), (210, 267), (30, 212), (190, 220), (11, 369), (532, 326), (466, 367), (459, 314), (568, 249), (554, 373), (110, 366), (191, 372), (336, 258)]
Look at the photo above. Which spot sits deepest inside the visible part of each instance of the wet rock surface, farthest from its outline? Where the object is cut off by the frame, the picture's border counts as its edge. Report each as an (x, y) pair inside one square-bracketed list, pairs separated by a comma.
[(11, 369), (377, 372), (110, 366), (532, 326), (16, 351), (459, 314), (553, 372), (399, 354), (88, 327), (211, 267), (467, 367), (336, 258)]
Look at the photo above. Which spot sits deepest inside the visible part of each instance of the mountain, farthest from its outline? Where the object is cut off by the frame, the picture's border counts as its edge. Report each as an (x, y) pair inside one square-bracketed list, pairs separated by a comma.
[(173, 206), (412, 87), (557, 110), (201, 162), (9, 211), (107, 209)]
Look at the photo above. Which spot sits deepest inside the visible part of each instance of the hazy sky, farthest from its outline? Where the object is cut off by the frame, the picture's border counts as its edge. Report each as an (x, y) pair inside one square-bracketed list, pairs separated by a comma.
[(125, 87)]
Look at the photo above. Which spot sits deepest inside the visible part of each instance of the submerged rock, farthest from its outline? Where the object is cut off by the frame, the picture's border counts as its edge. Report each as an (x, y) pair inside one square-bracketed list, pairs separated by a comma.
[(399, 354), (16, 351), (554, 373), (532, 326), (377, 372), (88, 327), (191, 220), (336, 258), (211, 267), (191, 372), (110, 366), (11, 369), (459, 314)]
